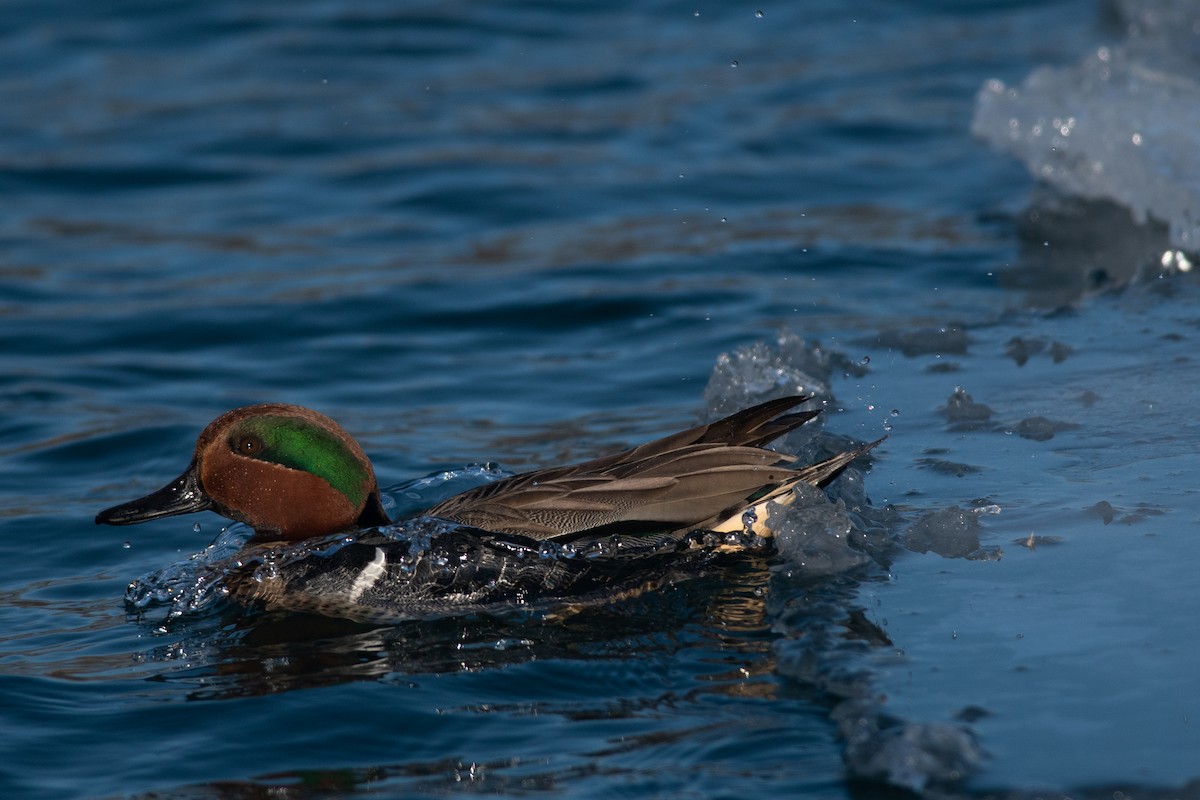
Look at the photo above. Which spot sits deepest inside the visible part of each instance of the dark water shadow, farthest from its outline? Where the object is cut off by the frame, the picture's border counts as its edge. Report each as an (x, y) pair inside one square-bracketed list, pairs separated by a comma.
[(1070, 248)]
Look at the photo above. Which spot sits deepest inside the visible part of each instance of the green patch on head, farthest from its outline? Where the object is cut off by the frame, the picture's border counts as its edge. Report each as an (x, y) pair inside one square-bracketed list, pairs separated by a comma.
[(300, 444)]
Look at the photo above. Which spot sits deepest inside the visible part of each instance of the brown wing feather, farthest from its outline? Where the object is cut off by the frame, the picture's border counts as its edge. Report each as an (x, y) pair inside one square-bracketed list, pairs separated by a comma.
[(677, 481)]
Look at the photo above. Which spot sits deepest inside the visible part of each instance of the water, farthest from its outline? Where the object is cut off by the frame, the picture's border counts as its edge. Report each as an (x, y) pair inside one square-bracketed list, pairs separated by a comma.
[(527, 233)]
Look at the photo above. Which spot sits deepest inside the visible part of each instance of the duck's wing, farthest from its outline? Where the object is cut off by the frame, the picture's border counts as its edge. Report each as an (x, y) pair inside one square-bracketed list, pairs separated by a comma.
[(679, 491), (674, 482)]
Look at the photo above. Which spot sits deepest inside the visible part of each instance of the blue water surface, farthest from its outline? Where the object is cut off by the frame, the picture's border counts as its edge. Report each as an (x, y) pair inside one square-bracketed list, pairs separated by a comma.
[(524, 233)]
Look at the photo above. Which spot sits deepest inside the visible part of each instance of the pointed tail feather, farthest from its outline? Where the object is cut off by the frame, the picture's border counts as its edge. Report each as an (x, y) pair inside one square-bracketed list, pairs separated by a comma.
[(822, 473)]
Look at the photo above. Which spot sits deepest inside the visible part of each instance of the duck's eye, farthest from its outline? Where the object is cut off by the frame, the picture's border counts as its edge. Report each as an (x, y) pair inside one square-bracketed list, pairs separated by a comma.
[(248, 446)]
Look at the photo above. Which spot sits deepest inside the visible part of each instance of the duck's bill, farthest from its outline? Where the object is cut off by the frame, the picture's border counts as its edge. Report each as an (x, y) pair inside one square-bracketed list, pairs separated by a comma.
[(181, 496)]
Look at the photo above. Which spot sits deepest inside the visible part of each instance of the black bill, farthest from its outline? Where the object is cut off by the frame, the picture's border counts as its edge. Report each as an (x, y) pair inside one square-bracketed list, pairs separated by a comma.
[(181, 496)]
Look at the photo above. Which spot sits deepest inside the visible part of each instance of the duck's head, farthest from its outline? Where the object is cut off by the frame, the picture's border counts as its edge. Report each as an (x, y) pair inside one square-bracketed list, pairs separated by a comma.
[(287, 471)]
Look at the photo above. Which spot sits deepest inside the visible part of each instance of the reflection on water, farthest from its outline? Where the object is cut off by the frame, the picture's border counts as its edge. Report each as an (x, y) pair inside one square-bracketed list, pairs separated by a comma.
[(1072, 248), (718, 628)]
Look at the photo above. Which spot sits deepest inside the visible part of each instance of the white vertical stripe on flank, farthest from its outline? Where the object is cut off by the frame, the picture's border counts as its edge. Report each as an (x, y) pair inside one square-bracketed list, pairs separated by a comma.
[(370, 574)]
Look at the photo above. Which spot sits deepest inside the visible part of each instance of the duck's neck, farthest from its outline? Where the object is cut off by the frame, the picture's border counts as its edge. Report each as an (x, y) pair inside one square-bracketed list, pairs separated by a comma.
[(373, 514)]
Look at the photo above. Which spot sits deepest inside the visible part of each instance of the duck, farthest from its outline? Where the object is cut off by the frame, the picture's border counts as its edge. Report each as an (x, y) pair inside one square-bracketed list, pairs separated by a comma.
[(300, 481)]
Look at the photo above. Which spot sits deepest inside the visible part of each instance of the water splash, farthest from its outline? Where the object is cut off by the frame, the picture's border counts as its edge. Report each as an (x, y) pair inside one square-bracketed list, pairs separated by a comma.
[(190, 586)]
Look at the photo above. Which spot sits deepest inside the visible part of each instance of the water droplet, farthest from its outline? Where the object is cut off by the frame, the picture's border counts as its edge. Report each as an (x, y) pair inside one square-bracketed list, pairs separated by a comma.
[(127, 545), (695, 13), (733, 64), (895, 412), (195, 527), (758, 14), (865, 360)]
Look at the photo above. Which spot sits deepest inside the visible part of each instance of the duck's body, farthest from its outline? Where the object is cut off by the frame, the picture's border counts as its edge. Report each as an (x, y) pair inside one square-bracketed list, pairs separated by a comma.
[(424, 570), (294, 475)]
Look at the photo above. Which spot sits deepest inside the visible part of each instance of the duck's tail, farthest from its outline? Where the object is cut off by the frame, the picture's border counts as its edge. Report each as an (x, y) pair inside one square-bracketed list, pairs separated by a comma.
[(823, 472), (753, 518)]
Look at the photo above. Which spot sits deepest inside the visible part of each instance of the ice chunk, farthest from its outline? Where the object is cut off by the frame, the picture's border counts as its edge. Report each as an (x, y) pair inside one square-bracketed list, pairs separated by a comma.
[(945, 339), (813, 535), (761, 371), (1020, 349), (1040, 429), (945, 467), (963, 413), (1104, 510), (911, 755), (1122, 125), (1108, 513), (952, 533)]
